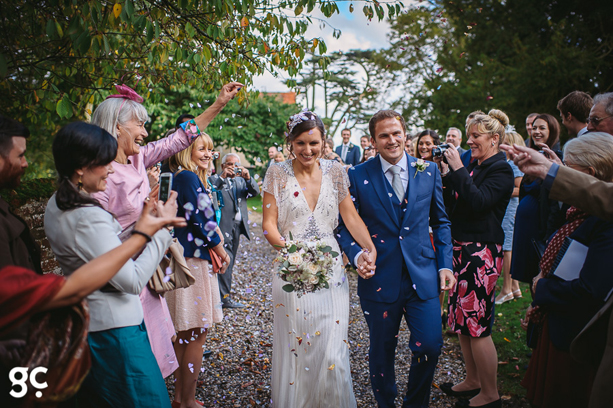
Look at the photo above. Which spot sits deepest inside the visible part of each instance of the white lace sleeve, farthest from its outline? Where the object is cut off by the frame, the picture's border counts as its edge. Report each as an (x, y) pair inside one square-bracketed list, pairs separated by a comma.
[(340, 180), (275, 179)]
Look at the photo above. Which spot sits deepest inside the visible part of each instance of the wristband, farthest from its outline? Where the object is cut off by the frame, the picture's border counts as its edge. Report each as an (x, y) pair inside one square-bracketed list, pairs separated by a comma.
[(142, 234)]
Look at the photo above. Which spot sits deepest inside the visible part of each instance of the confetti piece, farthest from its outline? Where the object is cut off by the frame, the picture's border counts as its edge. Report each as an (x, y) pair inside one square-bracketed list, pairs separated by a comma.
[(365, 181), (507, 340), (385, 314), (296, 193), (332, 367)]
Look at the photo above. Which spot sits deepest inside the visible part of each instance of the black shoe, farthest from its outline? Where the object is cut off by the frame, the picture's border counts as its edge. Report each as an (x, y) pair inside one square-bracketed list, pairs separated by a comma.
[(446, 388), (207, 353), (466, 404), (230, 304), (444, 320)]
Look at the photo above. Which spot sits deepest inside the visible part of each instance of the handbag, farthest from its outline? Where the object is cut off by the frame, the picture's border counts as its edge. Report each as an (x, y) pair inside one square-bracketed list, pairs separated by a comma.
[(216, 261), (172, 272), (57, 340)]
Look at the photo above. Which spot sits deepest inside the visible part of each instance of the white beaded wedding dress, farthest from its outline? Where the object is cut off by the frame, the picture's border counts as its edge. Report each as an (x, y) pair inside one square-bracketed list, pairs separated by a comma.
[(310, 366)]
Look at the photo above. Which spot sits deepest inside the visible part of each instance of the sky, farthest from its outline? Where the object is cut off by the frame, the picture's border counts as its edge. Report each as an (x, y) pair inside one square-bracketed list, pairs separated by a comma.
[(356, 33)]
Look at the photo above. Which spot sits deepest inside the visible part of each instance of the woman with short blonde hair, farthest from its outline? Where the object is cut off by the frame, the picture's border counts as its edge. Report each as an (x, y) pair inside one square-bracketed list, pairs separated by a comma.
[(196, 308), (479, 194)]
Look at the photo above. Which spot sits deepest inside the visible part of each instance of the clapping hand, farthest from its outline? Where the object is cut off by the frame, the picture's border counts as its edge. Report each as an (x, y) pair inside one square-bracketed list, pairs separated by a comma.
[(550, 154), (366, 265), (528, 160)]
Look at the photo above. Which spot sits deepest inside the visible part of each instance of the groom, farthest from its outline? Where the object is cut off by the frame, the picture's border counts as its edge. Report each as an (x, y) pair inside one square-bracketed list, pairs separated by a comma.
[(398, 199)]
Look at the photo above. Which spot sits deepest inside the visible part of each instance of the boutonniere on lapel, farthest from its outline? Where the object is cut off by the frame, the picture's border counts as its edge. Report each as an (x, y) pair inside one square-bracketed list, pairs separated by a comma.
[(351, 146), (420, 165)]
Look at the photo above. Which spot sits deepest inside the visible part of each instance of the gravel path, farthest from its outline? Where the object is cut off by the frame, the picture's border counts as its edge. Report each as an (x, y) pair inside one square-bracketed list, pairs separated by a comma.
[(238, 372)]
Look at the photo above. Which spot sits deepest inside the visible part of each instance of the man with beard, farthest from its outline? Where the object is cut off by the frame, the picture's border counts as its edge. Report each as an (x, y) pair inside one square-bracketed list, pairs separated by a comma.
[(16, 243)]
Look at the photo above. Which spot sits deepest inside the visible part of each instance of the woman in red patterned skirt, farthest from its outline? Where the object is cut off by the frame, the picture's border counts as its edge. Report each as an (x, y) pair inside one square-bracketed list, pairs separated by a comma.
[(478, 196)]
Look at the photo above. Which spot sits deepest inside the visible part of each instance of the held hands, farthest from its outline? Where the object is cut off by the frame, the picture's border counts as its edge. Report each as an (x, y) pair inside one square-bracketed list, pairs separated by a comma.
[(447, 279), (229, 91), (166, 215), (366, 264)]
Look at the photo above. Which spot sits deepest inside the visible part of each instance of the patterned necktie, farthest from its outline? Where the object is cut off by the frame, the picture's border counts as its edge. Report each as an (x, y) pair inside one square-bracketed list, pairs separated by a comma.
[(397, 184)]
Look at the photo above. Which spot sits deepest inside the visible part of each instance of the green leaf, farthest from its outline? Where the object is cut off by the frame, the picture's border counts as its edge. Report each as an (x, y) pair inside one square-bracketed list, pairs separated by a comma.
[(58, 28), (207, 53), (63, 107), (51, 29), (189, 29), (288, 288), (129, 8), (334, 254), (292, 249), (298, 9), (326, 249)]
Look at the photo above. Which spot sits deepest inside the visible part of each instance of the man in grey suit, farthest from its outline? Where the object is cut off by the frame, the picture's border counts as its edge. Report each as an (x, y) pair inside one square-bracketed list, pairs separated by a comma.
[(236, 185), (454, 137)]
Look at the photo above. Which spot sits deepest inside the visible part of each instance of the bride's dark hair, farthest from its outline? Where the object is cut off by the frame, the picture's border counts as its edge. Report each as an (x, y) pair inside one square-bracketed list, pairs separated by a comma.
[(300, 123)]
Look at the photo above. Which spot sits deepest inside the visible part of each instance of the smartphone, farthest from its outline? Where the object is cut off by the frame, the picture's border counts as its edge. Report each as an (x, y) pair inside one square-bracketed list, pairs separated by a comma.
[(165, 186)]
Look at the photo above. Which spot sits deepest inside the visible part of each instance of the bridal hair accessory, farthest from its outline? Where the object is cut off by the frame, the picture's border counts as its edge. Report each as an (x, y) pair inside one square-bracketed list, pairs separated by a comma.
[(299, 118), (509, 129)]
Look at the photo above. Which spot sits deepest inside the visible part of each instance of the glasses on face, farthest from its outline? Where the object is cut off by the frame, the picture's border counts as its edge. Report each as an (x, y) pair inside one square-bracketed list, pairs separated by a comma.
[(595, 120)]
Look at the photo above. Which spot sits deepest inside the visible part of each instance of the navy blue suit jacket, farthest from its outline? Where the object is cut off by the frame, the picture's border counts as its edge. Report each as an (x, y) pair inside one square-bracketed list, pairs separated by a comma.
[(353, 154), (400, 241), (188, 186), (571, 304)]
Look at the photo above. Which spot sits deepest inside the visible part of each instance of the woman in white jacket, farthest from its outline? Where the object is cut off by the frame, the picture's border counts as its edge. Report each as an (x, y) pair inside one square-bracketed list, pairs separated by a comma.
[(124, 371)]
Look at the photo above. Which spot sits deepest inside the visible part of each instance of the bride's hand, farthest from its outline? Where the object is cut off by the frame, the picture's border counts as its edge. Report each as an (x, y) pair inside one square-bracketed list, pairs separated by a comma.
[(366, 265)]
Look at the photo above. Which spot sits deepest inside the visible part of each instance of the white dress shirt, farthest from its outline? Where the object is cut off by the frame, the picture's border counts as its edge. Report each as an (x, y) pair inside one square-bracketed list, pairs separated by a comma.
[(404, 170), (344, 151)]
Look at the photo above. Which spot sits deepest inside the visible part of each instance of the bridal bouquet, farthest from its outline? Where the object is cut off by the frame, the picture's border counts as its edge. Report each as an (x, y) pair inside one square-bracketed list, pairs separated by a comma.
[(305, 266)]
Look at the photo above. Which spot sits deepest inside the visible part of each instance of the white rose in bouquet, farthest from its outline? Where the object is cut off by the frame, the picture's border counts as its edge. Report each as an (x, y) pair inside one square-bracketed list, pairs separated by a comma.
[(313, 268), (313, 280), (294, 259)]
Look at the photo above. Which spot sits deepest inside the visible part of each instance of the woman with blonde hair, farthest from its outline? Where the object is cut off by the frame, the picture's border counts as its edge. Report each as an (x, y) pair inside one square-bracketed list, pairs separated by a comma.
[(479, 194), (198, 307), (510, 287)]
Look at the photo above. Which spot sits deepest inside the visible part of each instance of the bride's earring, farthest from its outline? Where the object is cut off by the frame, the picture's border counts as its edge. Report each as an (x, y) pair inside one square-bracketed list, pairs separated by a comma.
[(80, 184)]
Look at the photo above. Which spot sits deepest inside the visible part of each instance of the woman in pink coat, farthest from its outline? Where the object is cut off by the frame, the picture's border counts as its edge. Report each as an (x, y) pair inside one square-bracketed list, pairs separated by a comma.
[(124, 117)]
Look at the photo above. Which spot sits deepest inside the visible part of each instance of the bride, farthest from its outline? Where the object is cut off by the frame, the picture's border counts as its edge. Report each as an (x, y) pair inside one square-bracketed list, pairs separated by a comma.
[(303, 196)]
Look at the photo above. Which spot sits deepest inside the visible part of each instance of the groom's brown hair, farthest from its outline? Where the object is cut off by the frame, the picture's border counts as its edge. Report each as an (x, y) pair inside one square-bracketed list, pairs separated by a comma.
[(385, 114)]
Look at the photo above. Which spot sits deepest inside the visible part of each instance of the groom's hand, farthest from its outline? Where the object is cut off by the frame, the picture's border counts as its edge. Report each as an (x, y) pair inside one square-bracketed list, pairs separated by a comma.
[(447, 279), (366, 265)]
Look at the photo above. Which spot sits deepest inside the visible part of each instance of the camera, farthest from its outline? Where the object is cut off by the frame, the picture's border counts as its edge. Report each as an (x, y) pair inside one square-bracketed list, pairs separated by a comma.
[(239, 171), (215, 155), (439, 150)]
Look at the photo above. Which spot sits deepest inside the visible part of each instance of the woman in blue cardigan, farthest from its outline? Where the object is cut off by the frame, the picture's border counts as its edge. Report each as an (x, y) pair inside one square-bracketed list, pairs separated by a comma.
[(198, 307), (564, 307)]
